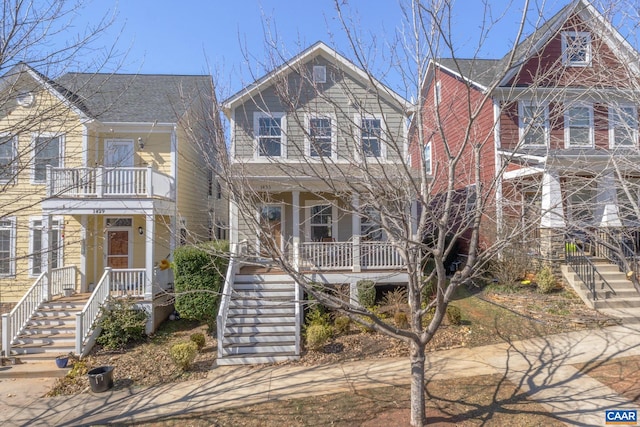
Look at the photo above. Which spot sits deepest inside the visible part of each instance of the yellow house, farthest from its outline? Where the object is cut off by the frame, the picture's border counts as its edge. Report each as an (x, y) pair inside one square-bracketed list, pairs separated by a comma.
[(101, 177)]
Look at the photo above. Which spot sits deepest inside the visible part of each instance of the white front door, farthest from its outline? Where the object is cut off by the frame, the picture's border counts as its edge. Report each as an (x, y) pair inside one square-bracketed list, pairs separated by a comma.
[(118, 153)]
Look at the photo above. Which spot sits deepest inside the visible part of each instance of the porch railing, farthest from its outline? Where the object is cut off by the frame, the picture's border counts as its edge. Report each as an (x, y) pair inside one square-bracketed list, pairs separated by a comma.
[(327, 254), (14, 321), (379, 255), (109, 182), (221, 319), (348, 255), (63, 278), (130, 282), (584, 268), (85, 332)]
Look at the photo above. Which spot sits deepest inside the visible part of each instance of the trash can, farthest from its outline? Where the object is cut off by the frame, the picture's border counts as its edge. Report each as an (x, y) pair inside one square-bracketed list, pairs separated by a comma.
[(101, 378)]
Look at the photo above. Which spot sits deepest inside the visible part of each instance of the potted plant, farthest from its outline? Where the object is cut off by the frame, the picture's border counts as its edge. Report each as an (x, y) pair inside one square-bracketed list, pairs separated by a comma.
[(62, 360)]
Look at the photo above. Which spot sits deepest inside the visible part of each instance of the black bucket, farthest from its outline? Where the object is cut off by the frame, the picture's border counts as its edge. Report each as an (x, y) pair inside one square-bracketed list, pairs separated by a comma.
[(101, 378)]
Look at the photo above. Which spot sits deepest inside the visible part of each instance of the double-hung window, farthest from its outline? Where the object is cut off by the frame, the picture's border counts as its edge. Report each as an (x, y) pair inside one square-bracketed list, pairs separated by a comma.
[(8, 159), (47, 151), (576, 48), (321, 137), (269, 133), (428, 158), (534, 124), (371, 137), (36, 250), (7, 247), (578, 126), (321, 219), (623, 126)]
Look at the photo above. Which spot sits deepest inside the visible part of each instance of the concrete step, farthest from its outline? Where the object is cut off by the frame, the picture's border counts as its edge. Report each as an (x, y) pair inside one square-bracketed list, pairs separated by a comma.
[(630, 316), (633, 302), (32, 368), (255, 360)]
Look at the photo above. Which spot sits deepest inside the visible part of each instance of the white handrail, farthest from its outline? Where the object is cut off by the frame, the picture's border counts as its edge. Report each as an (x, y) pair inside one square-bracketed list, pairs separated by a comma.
[(87, 317), (14, 322), (221, 319), (63, 278)]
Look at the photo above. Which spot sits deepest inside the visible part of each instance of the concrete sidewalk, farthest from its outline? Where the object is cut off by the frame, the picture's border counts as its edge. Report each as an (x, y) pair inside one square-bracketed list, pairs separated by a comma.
[(540, 367)]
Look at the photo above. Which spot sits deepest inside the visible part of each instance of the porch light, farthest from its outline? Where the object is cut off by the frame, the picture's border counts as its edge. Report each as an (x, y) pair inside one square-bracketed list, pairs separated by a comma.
[(140, 143), (140, 231)]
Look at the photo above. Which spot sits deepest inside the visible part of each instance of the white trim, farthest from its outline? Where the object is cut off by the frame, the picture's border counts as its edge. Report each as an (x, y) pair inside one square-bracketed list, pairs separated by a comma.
[(458, 75), (13, 140), (588, 54), (85, 145), (522, 130), (109, 143), (12, 245), (307, 221), (256, 134), (522, 172), (129, 230), (61, 144), (437, 94), (611, 131), (232, 135), (319, 74), (567, 127), (359, 152), (57, 223), (334, 134)]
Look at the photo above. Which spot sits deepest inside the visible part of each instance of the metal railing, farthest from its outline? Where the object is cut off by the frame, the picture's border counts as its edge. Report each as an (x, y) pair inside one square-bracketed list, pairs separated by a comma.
[(129, 282), (221, 319), (86, 318), (584, 267)]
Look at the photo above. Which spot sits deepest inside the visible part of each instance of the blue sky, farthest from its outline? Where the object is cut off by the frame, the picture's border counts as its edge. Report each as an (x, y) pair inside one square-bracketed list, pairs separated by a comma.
[(212, 37)]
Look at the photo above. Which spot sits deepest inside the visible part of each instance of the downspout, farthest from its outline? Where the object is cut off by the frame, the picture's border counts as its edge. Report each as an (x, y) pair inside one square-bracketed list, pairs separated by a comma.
[(497, 165)]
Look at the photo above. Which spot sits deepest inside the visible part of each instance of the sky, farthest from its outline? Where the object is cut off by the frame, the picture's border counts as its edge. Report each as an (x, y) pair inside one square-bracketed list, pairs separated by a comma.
[(226, 38)]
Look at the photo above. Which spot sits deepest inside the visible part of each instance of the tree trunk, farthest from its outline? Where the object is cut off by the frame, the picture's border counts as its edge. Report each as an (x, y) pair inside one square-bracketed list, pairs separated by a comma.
[(418, 417)]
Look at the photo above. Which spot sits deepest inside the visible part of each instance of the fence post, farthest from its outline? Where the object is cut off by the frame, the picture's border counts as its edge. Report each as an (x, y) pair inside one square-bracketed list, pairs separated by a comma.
[(6, 339), (79, 334), (356, 254)]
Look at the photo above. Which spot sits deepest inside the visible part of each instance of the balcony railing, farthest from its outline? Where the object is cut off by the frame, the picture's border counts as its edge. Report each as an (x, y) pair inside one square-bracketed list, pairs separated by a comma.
[(109, 182), (353, 255)]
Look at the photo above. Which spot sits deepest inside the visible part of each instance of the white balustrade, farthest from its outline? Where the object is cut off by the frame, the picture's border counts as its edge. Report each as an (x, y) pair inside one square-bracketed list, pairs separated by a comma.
[(221, 319), (128, 282), (86, 318), (63, 278), (339, 255), (379, 255)]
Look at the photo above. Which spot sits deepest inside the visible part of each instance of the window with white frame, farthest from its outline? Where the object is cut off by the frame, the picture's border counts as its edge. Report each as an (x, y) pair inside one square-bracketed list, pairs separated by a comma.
[(8, 159), (428, 158), (534, 124), (269, 132), (55, 245), (437, 94), (371, 137), (47, 151), (623, 126), (578, 126), (7, 246), (319, 74), (581, 195), (321, 223), (321, 137), (576, 48), (370, 225)]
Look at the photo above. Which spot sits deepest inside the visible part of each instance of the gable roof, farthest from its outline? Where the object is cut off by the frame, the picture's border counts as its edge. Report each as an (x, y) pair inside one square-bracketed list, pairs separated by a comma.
[(317, 49), (483, 72), (137, 97)]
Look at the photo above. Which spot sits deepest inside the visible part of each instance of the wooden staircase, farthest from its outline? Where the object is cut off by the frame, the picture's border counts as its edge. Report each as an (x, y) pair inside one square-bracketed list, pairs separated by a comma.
[(621, 301), (261, 320), (51, 330)]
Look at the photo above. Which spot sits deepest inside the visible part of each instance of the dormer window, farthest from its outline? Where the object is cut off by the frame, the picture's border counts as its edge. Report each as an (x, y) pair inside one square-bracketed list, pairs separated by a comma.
[(319, 74), (576, 49)]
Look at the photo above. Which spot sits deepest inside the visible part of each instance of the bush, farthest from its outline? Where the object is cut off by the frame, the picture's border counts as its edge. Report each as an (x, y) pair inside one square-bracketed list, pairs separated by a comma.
[(122, 323), (546, 280), (366, 293), (317, 316), (200, 272), (512, 266), (183, 354), (198, 339), (395, 301), (318, 335), (341, 324), (454, 316), (401, 320)]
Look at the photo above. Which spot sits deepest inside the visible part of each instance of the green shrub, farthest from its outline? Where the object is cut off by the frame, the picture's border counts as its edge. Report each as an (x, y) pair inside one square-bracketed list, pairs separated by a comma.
[(546, 280), (318, 335), (341, 324), (198, 338), (183, 354), (401, 320), (366, 293), (122, 323), (317, 316), (454, 316), (200, 272), (395, 301)]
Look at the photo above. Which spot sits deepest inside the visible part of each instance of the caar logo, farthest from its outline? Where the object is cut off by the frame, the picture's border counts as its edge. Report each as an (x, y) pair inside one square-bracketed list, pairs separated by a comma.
[(621, 417)]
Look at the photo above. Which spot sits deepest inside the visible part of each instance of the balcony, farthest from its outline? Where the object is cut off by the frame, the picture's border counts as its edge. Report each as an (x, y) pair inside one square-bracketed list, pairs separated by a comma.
[(109, 182)]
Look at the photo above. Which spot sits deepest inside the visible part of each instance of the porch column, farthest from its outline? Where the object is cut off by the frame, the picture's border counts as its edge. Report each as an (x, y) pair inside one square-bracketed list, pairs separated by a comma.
[(83, 253), (607, 213), (552, 223), (233, 222), (295, 223), (355, 231), (149, 237), (45, 264)]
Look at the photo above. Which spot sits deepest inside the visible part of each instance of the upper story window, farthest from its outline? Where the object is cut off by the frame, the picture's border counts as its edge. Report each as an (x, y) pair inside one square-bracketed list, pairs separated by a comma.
[(8, 159), (534, 124), (319, 74), (578, 126), (623, 126), (576, 48), (7, 247), (321, 137), (428, 158), (371, 137), (47, 151), (269, 132)]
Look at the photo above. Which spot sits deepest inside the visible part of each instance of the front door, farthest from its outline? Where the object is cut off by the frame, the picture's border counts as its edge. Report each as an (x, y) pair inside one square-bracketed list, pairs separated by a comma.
[(118, 248), (118, 153), (117, 156), (270, 229)]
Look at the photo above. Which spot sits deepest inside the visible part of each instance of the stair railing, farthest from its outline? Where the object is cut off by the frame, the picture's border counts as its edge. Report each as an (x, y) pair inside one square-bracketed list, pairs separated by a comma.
[(584, 267), (14, 322), (85, 320), (221, 319)]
